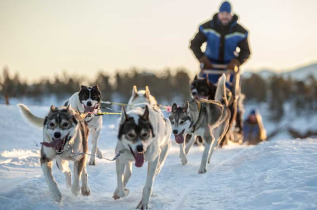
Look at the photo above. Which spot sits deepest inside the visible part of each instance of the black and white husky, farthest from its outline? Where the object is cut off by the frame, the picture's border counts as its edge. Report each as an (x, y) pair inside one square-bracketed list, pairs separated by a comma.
[(144, 135), (65, 138), (206, 118), (87, 101)]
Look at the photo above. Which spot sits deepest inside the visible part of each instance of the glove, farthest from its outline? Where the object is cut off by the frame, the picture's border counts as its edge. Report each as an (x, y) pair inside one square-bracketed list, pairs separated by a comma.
[(233, 63), (207, 64)]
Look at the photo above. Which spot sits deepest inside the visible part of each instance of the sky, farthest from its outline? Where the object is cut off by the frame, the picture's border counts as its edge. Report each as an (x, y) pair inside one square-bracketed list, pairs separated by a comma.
[(42, 38)]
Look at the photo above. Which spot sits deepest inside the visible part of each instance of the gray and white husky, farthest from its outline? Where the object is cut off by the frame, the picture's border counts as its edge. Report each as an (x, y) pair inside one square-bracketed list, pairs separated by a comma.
[(87, 101), (144, 135), (64, 134), (206, 118)]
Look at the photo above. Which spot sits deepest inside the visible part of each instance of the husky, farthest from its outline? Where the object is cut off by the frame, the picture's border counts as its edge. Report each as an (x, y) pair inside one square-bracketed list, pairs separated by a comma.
[(144, 135), (141, 96), (206, 118), (202, 88), (87, 101), (65, 138)]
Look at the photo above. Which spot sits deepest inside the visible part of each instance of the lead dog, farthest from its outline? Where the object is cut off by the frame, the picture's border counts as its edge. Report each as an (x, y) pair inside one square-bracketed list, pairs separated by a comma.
[(144, 135), (208, 119), (64, 134), (87, 101)]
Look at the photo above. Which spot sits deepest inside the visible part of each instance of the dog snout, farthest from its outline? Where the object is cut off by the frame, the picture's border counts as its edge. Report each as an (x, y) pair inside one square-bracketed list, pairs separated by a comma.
[(175, 131), (89, 103), (139, 148), (57, 135)]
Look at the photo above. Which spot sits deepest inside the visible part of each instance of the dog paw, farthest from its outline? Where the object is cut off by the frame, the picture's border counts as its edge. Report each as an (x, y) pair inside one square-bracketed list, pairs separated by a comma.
[(142, 205), (184, 160), (57, 197), (99, 154), (92, 162), (117, 195), (202, 170), (85, 191), (75, 190)]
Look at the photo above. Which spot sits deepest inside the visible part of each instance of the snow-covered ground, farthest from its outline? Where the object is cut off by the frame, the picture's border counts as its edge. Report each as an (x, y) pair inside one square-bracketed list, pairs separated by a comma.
[(279, 174)]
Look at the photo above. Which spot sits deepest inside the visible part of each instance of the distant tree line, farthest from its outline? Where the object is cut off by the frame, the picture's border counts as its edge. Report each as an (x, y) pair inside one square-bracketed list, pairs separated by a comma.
[(277, 90), (166, 85)]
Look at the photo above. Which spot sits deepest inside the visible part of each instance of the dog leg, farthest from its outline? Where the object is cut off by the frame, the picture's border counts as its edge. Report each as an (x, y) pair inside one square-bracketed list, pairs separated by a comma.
[(203, 164), (85, 191), (190, 143), (127, 174), (148, 185), (182, 153), (163, 156), (46, 166), (213, 147), (120, 192), (64, 167), (78, 168), (95, 133)]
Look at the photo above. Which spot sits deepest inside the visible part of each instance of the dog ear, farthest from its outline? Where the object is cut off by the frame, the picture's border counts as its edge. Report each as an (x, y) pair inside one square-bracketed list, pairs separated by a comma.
[(147, 92), (196, 77), (124, 115), (52, 108), (68, 107), (174, 107), (134, 92), (96, 87), (185, 109), (146, 113), (216, 110), (83, 87)]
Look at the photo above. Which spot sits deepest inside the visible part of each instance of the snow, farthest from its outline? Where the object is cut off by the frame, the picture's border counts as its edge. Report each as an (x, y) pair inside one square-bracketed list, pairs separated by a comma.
[(279, 174)]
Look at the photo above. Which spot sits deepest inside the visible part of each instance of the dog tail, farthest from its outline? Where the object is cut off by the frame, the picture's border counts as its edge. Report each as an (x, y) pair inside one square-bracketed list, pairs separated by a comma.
[(37, 121), (221, 94)]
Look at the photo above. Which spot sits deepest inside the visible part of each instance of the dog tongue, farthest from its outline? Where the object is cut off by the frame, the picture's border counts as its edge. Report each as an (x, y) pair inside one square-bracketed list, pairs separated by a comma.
[(56, 144), (179, 138), (139, 159)]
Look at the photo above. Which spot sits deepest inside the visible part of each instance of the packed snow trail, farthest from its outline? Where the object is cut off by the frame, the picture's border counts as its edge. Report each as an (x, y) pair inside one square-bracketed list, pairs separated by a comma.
[(273, 175)]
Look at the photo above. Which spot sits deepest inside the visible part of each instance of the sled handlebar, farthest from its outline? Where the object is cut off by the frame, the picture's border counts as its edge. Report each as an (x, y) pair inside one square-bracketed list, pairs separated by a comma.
[(219, 69)]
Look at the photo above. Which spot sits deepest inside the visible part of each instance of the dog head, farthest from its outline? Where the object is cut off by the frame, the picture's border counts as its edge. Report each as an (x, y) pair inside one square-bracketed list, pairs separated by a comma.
[(136, 133), (90, 98), (202, 88), (142, 96), (180, 120), (60, 125)]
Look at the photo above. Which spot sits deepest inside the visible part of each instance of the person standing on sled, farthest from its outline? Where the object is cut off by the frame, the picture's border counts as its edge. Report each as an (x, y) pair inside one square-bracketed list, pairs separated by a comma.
[(227, 43)]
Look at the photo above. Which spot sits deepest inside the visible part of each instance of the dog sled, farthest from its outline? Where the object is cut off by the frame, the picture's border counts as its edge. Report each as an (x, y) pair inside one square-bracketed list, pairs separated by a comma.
[(234, 136)]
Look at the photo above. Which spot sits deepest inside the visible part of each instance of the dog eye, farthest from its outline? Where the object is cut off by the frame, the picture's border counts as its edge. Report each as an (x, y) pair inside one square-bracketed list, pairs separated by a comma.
[(131, 135), (172, 122), (181, 122), (65, 124), (52, 124), (144, 135)]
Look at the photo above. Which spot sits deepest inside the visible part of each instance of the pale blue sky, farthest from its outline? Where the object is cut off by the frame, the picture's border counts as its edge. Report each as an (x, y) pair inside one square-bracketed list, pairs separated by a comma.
[(42, 37)]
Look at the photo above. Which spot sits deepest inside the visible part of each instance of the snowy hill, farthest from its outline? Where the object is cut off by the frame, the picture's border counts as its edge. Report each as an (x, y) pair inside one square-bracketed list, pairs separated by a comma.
[(280, 174), (297, 74)]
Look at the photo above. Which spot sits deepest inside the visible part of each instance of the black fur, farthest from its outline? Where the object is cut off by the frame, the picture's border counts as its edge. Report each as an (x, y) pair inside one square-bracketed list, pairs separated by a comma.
[(204, 88), (92, 92)]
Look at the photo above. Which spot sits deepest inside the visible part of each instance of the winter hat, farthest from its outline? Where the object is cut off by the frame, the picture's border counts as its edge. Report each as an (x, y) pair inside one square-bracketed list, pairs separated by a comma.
[(225, 7)]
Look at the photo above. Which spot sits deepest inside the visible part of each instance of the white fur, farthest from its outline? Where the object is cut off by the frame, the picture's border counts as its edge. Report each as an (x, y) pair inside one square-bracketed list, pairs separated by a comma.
[(156, 150), (94, 125)]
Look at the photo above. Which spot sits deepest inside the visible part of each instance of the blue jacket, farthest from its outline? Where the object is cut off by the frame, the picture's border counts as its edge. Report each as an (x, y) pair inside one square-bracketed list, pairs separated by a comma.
[(222, 41)]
